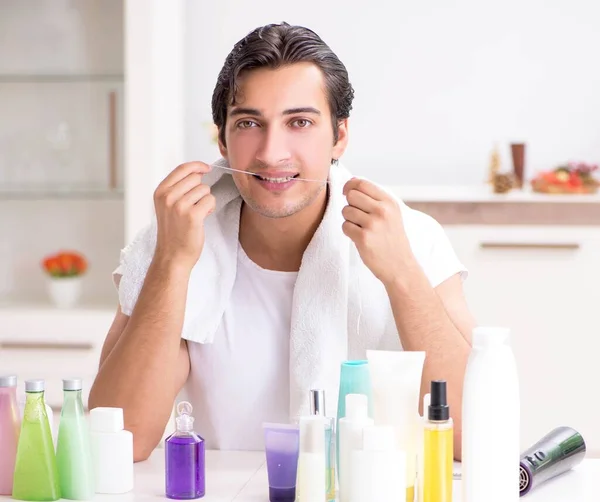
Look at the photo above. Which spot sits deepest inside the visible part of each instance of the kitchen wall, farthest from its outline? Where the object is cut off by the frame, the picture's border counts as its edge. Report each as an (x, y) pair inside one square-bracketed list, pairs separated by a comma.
[(437, 82), (71, 43)]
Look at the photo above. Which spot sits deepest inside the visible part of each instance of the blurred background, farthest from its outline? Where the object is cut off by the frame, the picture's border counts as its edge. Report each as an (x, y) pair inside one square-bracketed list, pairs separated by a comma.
[(483, 114)]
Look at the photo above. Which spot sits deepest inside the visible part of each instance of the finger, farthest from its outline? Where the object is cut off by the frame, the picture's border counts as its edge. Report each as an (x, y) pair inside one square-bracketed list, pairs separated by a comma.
[(173, 195), (193, 196), (365, 187), (356, 216), (361, 201), (204, 206), (180, 172), (351, 230)]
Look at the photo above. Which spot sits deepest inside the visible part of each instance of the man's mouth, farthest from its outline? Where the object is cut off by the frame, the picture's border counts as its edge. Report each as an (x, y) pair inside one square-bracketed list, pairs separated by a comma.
[(278, 179)]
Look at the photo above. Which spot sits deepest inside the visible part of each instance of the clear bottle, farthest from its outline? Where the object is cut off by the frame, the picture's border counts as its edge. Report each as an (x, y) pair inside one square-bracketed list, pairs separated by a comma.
[(185, 469), (36, 473), (438, 447), (351, 438), (490, 420), (421, 447), (10, 428), (317, 407), (73, 450), (112, 451)]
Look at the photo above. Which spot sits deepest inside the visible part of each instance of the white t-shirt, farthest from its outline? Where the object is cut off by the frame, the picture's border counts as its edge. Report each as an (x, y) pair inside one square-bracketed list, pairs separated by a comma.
[(242, 379)]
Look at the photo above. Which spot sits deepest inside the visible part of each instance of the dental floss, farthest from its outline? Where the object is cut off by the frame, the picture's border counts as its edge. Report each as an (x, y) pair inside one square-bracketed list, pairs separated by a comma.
[(258, 175)]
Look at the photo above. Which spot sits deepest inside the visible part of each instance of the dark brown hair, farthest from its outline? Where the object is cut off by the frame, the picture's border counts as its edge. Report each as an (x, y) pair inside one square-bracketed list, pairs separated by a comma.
[(276, 45)]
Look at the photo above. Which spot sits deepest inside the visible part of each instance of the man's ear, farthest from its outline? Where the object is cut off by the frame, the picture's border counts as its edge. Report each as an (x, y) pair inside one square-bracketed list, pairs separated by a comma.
[(342, 142), (222, 147)]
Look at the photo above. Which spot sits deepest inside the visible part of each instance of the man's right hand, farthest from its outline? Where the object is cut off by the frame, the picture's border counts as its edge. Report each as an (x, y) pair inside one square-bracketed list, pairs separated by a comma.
[(182, 204)]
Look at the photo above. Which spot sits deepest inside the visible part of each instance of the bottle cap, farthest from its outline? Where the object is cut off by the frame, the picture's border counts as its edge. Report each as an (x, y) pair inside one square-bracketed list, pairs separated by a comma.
[(317, 402), (379, 438), (438, 406), (72, 384), (34, 386), (312, 434), (8, 381), (484, 336), (357, 406), (106, 419), (184, 421)]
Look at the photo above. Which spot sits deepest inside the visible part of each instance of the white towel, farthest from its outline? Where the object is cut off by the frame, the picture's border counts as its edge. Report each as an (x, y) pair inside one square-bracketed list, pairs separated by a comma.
[(339, 308)]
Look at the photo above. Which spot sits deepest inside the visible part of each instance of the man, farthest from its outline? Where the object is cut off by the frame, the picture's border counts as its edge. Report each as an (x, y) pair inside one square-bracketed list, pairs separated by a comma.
[(281, 105)]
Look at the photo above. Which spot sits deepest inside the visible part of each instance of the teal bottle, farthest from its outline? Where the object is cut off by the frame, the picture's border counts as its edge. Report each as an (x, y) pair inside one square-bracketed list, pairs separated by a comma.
[(355, 378), (73, 450), (36, 475)]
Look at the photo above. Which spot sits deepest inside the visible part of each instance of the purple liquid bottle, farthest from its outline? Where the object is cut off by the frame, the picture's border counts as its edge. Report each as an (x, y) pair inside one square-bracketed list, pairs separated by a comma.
[(184, 458)]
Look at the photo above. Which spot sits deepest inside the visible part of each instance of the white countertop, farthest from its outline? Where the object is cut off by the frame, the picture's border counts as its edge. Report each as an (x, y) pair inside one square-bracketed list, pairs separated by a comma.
[(482, 193), (242, 477)]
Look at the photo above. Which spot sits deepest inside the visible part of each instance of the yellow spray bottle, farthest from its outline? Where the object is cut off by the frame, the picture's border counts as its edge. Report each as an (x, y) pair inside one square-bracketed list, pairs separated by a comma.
[(438, 447)]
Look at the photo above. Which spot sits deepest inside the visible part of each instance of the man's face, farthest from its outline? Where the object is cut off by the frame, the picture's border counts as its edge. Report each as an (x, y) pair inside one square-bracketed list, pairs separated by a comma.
[(280, 127)]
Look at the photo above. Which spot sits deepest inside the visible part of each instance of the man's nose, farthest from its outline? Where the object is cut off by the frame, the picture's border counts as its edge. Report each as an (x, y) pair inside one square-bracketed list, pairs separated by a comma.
[(274, 148)]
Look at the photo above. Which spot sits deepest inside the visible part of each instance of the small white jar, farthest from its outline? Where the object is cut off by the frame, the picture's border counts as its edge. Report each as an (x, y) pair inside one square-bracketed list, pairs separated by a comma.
[(112, 451)]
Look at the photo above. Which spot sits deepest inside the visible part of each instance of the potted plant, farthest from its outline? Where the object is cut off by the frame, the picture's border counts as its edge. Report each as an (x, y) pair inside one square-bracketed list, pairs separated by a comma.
[(65, 270)]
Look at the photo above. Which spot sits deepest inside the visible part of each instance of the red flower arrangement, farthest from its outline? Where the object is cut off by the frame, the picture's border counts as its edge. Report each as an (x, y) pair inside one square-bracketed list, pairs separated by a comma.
[(65, 264), (574, 177)]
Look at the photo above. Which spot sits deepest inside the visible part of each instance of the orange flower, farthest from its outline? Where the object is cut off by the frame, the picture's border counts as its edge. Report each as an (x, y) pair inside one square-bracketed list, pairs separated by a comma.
[(65, 264)]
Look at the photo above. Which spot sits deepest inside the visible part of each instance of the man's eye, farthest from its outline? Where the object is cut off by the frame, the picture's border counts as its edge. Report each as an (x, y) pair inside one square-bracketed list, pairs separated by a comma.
[(301, 123), (246, 124)]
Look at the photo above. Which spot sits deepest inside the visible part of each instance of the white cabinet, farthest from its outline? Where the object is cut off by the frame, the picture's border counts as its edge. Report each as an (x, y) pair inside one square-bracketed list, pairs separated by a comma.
[(542, 283), (51, 344)]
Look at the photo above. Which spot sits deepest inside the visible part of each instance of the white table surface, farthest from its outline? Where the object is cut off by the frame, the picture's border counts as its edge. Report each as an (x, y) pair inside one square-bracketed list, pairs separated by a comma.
[(242, 477)]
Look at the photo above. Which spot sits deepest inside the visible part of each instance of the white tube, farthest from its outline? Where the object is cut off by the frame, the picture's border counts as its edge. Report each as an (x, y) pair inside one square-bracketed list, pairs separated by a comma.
[(396, 381), (311, 484)]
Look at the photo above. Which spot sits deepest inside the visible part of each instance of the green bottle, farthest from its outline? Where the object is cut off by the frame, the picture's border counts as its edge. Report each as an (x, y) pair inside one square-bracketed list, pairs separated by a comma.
[(73, 451), (36, 475)]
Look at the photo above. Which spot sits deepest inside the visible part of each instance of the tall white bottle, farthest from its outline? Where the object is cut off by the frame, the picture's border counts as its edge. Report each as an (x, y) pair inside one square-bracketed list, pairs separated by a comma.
[(351, 439), (491, 420)]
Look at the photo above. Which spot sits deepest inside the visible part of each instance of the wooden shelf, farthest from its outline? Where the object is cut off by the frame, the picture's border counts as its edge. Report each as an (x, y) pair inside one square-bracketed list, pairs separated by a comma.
[(59, 78), (60, 193)]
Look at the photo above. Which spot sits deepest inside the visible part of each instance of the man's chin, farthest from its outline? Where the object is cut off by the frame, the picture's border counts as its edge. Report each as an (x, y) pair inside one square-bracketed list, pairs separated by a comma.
[(273, 212)]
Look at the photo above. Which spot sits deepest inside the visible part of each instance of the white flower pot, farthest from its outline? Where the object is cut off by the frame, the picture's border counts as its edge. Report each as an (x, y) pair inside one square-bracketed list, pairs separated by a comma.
[(65, 291)]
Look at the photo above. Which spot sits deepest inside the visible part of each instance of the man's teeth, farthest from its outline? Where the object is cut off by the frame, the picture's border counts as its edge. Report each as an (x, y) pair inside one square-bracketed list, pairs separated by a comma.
[(277, 180)]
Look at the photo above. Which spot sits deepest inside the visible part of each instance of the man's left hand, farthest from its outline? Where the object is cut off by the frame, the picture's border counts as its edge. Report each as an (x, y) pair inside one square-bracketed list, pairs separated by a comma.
[(374, 223)]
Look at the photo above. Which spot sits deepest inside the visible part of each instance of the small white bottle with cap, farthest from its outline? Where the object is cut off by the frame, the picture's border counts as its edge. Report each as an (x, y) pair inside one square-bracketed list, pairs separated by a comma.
[(351, 438), (112, 451), (378, 471), (311, 484)]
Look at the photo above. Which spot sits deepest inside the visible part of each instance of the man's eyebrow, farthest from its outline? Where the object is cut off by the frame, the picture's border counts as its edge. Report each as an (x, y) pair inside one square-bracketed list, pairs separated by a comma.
[(245, 111), (257, 113), (303, 109)]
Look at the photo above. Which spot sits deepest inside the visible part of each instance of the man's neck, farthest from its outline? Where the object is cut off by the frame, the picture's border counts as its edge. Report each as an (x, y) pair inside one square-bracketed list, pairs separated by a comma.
[(279, 243)]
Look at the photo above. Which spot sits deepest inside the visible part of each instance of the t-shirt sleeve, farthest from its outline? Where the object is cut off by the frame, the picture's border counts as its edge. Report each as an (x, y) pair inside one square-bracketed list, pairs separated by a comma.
[(443, 261), (432, 248), (134, 260)]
